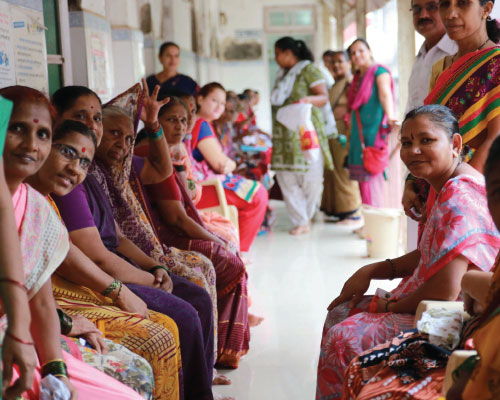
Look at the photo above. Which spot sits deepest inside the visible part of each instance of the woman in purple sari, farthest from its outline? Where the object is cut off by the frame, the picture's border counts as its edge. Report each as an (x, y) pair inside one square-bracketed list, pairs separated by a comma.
[(94, 231)]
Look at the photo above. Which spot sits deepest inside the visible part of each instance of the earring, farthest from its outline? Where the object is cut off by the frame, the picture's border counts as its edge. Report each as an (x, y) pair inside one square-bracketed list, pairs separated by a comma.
[(488, 18), (455, 154)]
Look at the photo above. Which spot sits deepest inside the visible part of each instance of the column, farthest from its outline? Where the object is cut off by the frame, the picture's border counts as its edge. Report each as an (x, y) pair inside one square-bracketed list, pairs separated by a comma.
[(361, 18), (339, 16), (406, 52)]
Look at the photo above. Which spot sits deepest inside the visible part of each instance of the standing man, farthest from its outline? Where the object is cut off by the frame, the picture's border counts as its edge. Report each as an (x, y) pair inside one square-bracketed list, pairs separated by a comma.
[(437, 45)]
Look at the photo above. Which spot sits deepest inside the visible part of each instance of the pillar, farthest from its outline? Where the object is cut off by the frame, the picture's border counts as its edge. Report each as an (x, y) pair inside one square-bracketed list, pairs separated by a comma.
[(361, 18), (339, 16), (327, 27), (406, 52)]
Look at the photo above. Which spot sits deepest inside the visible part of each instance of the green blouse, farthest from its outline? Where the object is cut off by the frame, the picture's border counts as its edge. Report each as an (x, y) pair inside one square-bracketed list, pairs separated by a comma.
[(5, 110)]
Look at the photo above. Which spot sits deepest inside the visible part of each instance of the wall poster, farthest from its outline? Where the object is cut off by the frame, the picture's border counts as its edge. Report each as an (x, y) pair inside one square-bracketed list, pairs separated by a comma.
[(30, 52), (7, 69)]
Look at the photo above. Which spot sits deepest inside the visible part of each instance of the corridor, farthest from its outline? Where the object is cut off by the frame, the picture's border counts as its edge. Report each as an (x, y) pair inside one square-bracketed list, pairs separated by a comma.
[(292, 280)]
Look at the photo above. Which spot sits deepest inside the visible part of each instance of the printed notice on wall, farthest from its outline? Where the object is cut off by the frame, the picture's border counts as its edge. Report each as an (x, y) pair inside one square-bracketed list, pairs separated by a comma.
[(7, 70), (30, 53), (99, 66)]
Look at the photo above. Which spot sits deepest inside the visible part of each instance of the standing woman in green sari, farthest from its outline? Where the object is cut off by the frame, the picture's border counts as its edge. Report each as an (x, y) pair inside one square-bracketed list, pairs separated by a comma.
[(301, 182), (372, 117)]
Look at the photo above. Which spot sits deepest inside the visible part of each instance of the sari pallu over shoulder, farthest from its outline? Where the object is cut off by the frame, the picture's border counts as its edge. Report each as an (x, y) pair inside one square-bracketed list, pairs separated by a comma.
[(44, 245), (470, 87), (43, 239)]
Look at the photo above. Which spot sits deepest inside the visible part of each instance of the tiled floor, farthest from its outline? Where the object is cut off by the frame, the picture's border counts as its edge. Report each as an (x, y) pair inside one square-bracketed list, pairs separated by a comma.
[(292, 281)]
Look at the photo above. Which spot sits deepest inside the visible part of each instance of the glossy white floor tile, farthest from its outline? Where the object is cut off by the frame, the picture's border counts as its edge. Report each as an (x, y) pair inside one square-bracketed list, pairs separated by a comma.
[(292, 281)]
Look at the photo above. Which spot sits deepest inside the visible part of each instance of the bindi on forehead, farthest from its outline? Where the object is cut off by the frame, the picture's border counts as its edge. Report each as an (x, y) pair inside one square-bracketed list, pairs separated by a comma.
[(35, 120), (84, 149)]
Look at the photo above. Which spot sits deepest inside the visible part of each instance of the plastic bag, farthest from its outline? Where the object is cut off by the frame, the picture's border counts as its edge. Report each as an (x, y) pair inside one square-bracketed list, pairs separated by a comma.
[(297, 118), (443, 327)]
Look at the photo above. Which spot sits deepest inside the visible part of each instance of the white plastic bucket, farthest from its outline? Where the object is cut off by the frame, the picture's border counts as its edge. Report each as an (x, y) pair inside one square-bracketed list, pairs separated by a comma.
[(382, 229)]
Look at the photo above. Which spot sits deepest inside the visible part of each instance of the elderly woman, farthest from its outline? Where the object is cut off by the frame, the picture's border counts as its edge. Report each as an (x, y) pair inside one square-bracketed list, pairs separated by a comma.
[(466, 83), (460, 235)]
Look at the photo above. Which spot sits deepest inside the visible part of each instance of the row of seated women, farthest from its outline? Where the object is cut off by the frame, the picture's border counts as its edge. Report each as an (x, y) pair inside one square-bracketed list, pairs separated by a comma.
[(367, 350), (95, 227)]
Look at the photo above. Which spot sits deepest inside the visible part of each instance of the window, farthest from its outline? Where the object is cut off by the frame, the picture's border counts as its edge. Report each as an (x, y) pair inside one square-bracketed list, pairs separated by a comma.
[(55, 15)]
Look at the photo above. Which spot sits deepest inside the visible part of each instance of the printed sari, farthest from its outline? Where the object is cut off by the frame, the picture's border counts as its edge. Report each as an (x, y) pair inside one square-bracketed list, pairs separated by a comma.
[(231, 276), (409, 366), (470, 88), (44, 245), (189, 304), (214, 222), (459, 224)]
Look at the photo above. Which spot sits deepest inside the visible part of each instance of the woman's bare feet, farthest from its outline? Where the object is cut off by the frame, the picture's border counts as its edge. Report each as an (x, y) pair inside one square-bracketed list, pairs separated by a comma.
[(301, 230), (350, 222), (254, 320), (221, 397), (220, 379), (360, 232)]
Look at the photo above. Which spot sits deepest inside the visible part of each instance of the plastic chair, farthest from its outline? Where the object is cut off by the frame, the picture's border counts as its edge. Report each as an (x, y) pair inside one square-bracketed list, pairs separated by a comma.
[(221, 207)]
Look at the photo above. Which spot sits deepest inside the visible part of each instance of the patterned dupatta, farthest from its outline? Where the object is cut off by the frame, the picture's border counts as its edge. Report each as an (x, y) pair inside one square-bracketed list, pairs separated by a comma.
[(470, 87), (43, 239), (128, 211), (459, 224)]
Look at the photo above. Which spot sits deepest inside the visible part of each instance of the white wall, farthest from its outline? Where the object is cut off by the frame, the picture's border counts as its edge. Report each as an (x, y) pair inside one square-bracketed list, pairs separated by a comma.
[(239, 75)]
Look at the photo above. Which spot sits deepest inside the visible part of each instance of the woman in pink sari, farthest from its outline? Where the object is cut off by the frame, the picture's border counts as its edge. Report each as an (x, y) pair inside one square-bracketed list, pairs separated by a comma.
[(371, 105), (44, 245), (459, 235)]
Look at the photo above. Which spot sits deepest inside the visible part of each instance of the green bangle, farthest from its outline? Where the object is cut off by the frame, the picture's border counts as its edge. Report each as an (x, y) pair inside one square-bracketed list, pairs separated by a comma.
[(468, 365), (56, 368), (160, 267), (387, 305), (393, 268), (111, 288), (119, 292), (156, 135), (410, 177), (65, 321)]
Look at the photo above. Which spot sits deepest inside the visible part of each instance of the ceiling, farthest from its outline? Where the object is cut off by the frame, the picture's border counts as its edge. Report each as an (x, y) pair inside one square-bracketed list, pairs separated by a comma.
[(350, 5)]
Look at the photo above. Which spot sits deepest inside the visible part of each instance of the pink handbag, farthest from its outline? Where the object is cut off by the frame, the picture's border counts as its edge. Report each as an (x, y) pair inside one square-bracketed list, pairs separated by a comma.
[(375, 160)]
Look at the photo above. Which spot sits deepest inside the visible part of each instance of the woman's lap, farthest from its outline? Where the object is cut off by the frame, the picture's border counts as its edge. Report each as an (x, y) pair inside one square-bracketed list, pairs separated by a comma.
[(344, 337)]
